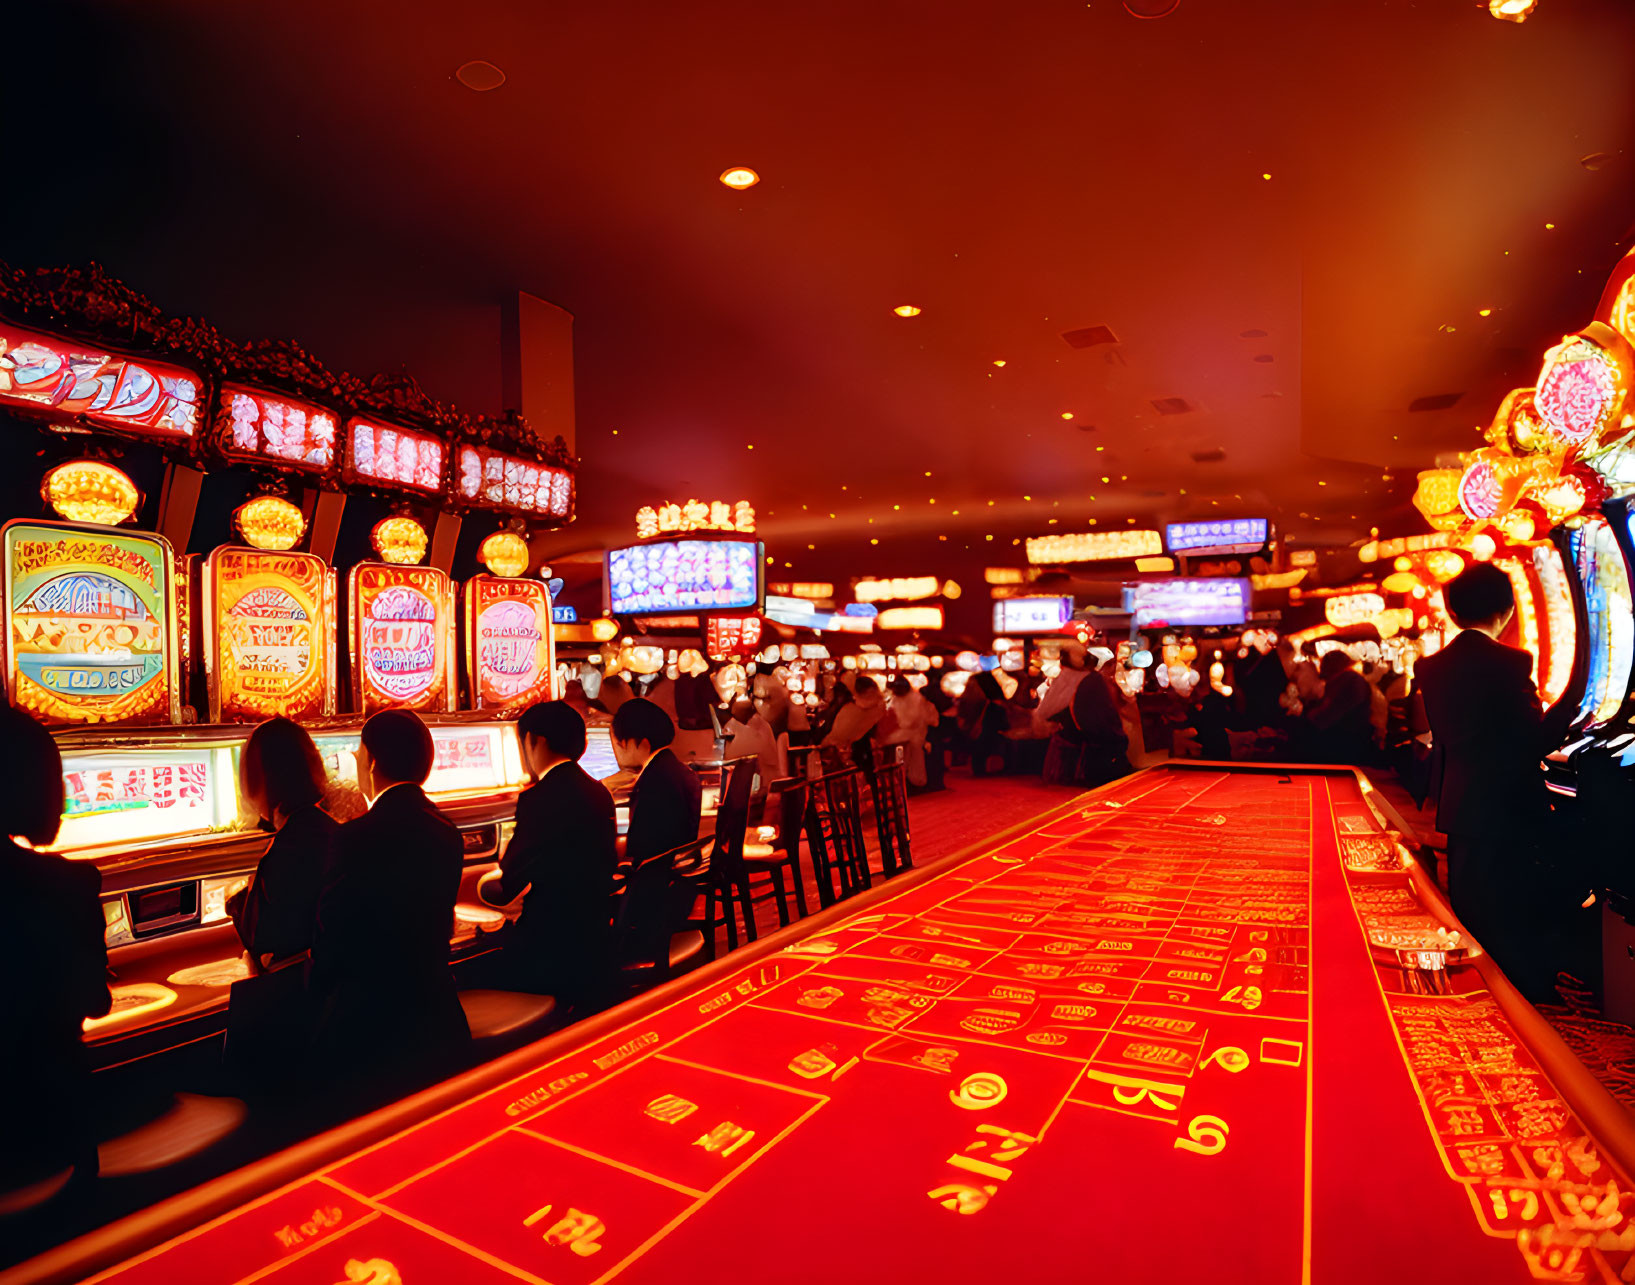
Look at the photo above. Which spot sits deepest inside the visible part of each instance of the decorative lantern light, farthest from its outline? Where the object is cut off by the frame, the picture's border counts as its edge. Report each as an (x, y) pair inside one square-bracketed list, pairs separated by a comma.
[(1512, 10), (270, 522), (399, 539), (505, 553), (1580, 388), (90, 491)]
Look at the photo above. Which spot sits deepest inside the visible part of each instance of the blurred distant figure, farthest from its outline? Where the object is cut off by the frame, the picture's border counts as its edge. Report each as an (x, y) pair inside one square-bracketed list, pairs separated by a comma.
[(1342, 730), (915, 717), (51, 946), (613, 693), (1100, 722), (855, 722), (1489, 733), (983, 721), (560, 862), (750, 736), (388, 1019), (666, 802)]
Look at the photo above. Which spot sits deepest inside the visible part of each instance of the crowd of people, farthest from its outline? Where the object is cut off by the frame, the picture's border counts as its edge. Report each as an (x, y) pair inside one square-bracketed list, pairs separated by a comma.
[(345, 925)]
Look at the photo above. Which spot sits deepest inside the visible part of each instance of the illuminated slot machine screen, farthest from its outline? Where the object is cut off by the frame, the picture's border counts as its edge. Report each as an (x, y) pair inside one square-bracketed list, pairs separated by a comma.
[(401, 630), (90, 625), (269, 645), (1559, 625), (598, 760), (470, 758), (1188, 601), (1610, 627), (140, 795), (510, 656)]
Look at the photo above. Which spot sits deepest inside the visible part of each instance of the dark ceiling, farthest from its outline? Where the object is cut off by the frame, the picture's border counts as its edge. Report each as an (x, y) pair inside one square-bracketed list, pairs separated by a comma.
[(314, 170)]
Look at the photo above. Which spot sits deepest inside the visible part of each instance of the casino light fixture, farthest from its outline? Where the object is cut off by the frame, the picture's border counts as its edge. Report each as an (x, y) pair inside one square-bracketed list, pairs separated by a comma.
[(399, 540), (90, 491), (1512, 10), (270, 522), (505, 553), (906, 310), (739, 177)]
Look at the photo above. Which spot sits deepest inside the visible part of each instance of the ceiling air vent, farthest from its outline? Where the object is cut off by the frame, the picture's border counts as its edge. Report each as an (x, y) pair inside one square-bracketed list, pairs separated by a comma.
[(1172, 405), (1208, 457), (1090, 336), (1086, 428), (1436, 401), (479, 75), (1263, 357), (1251, 334)]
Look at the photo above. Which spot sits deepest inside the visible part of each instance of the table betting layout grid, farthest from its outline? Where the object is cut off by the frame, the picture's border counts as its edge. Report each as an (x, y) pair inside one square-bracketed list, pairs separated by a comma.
[(1083, 1053)]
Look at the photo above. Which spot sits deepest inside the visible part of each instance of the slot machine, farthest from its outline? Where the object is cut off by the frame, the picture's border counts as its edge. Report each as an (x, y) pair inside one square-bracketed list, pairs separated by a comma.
[(151, 665)]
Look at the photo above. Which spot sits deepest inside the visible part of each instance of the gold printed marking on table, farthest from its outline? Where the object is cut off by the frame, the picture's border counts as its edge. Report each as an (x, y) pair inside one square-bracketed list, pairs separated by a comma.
[(576, 1229), (1530, 1169), (371, 1271)]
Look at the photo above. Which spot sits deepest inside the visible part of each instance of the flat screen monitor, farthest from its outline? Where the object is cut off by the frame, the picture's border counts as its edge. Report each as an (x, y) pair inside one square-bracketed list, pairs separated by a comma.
[(665, 576), (1190, 601), (1027, 616)]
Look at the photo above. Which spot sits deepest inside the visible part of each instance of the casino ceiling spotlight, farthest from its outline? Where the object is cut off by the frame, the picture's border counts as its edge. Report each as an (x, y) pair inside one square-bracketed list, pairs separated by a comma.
[(505, 553), (1512, 10), (400, 540), (90, 491), (270, 522), (739, 177), (906, 310)]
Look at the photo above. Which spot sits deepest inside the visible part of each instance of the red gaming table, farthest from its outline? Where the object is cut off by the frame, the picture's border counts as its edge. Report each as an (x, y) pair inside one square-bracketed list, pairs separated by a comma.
[(1162, 1033)]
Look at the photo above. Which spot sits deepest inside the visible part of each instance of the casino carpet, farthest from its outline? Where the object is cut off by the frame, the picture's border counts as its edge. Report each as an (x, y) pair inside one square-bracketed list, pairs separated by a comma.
[(941, 822)]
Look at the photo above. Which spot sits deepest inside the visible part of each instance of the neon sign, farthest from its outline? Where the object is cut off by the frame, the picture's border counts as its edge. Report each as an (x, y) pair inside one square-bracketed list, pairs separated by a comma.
[(90, 625), (401, 633), (67, 381), (395, 456), (696, 515), (499, 481), (256, 426), (510, 659), (1232, 535), (1190, 601), (269, 635), (1093, 546)]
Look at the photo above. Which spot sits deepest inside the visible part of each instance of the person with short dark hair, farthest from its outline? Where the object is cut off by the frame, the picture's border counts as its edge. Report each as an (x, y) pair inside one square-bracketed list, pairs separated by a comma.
[(560, 862), (282, 781), (1489, 734), (1341, 731), (666, 802), (388, 1016), (51, 945)]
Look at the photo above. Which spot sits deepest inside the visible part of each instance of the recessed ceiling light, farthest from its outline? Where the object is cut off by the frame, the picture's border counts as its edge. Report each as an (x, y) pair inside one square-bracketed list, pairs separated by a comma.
[(1067, 414), (740, 177), (479, 75), (999, 363), (1485, 312), (906, 310), (1512, 10)]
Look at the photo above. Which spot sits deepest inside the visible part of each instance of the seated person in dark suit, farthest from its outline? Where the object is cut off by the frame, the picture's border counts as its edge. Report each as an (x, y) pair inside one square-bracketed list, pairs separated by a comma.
[(388, 1018), (1342, 730), (1490, 732), (560, 861), (281, 780), (667, 799), (51, 946)]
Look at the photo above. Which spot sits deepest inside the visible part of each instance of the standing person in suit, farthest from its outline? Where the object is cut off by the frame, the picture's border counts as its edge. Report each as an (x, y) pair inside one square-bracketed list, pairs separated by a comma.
[(666, 802), (388, 1018), (560, 862), (51, 944), (1490, 732), (282, 780)]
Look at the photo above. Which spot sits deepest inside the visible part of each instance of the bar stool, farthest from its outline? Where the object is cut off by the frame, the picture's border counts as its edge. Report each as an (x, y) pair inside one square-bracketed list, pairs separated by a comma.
[(725, 880), (891, 812), (652, 934), (783, 853), (834, 833)]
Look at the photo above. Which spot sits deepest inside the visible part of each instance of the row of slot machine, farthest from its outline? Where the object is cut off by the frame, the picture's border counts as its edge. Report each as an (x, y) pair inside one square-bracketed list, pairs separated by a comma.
[(1550, 499), (151, 665)]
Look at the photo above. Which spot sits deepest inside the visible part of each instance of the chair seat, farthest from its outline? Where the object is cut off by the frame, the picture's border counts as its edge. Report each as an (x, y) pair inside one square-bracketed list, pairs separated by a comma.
[(19, 1200), (498, 1015), (763, 854), (684, 948), (191, 1126)]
